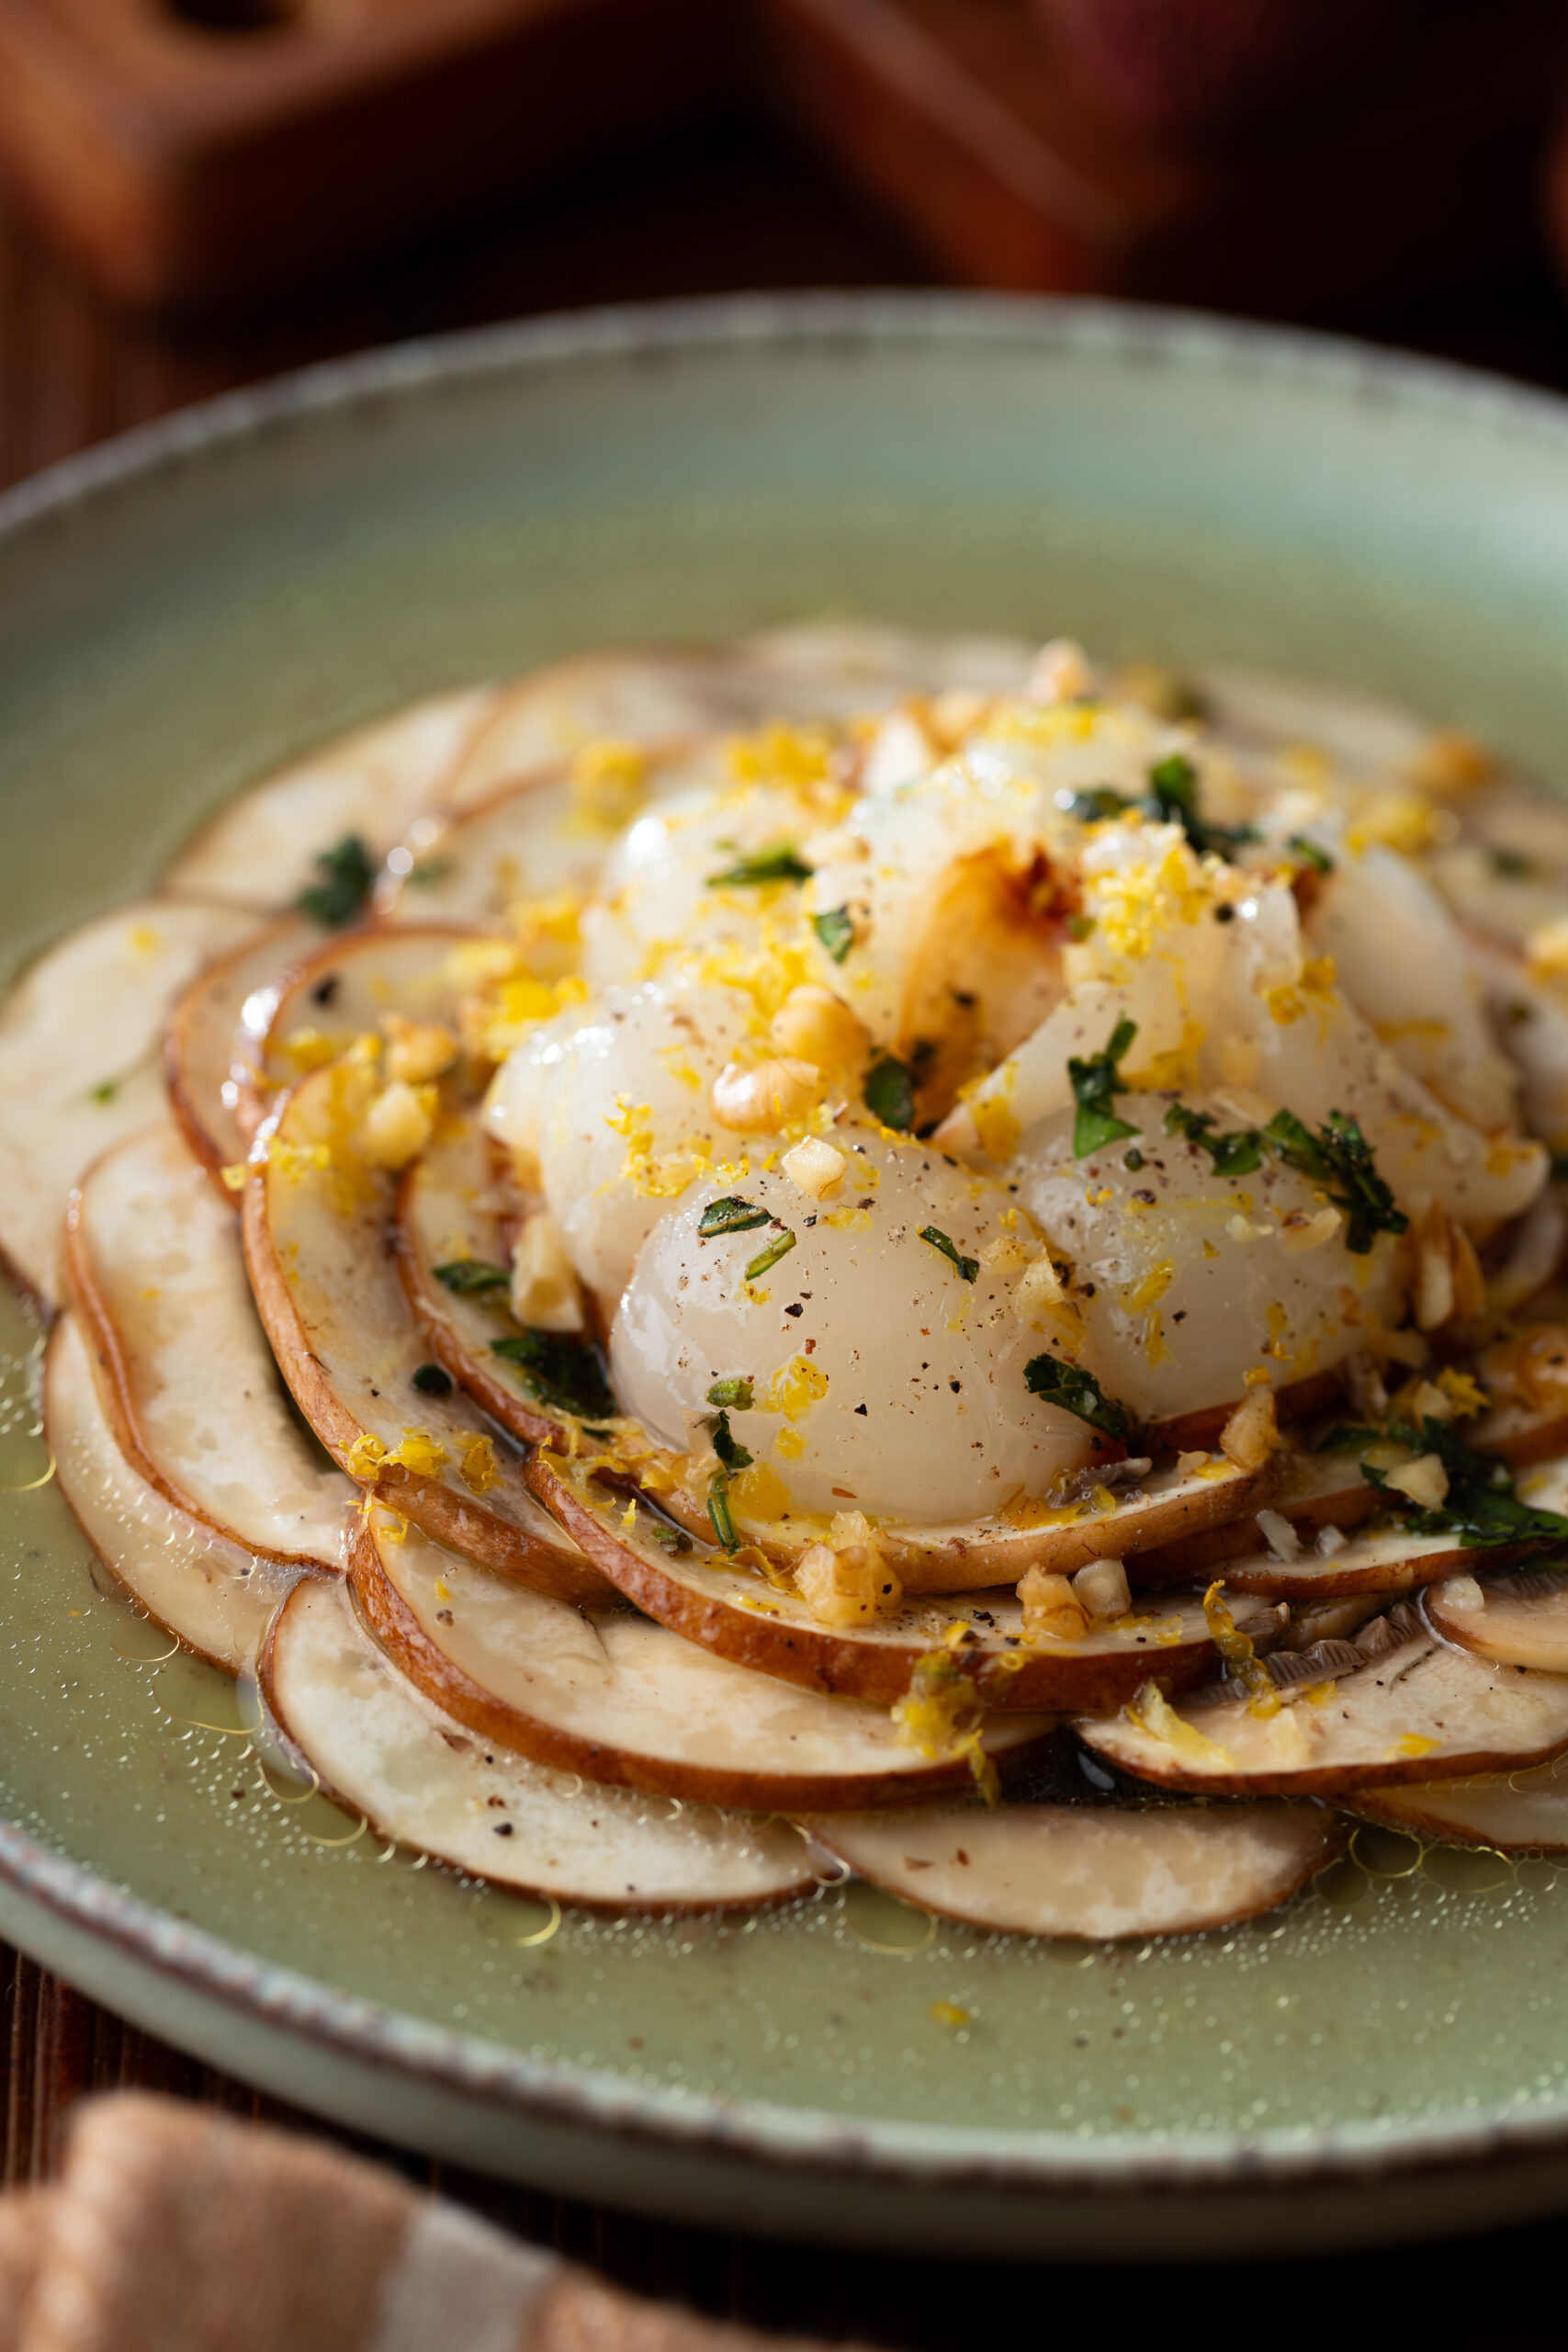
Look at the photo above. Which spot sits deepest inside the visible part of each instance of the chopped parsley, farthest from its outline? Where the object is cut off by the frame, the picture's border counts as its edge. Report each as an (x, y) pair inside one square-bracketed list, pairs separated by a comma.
[(1345, 1435), (343, 891), (105, 1090), (1076, 1391), (567, 1375), (1309, 854), (1094, 1082), (669, 1539), (771, 1253), (467, 1276), (1339, 1155), (1511, 865), (1236, 1154), (432, 1380), (736, 1393), (730, 1214), (836, 932), (889, 1093), (727, 1445), (1480, 1505), (1173, 798), (968, 1267), (782, 863), (719, 1511), (1091, 808)]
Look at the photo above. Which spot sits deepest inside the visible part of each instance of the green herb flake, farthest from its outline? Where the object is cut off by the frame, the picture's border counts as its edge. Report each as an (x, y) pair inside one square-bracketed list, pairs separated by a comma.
[(730, 1214), (432, 1380), (1236, 1154), (735, 1393), (1133, 1159), (1095, 805), (1480, 1506), (1339, 1155), (564, 1374), (1173, 799), (889, 1093), (1346, 1436), (727, 1446), (1076, 1391), (1307, 853), (1094, 1082), (105, 1090), (719, 1511), (669, 1539), (343, 891), (466, 1277), (968, 1267), (1511, 865), (782, 863), (771, 1253), (836, 932)]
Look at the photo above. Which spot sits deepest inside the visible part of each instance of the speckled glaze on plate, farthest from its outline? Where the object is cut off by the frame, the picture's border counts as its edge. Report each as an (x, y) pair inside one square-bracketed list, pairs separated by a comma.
[(1389, 2056)]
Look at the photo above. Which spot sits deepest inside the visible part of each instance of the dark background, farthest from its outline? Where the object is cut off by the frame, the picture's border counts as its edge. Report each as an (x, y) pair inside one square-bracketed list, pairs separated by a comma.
[(729, 200)]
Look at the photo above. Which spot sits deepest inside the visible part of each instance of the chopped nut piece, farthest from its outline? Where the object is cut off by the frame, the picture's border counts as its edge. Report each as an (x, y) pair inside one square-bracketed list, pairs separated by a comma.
[(1448, 1283), (545, 1295), (417, 1050), (1462, 1593), (1451, 765), (1061, 672), (1252, 1432), (1039, 1287), (814, 1167), (764, 1098), (397, 1126), (1102, 1589), (846, 1581), (1051, 1610), (1284, 1544), (1425, 1480), (814, 1025)]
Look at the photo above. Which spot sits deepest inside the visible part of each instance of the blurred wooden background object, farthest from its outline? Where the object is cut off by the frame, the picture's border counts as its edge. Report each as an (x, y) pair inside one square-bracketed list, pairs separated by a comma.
[(1287, 153)]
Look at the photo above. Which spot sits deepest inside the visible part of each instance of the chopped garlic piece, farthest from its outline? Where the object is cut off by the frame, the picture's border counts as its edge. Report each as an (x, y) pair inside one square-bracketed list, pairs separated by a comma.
[(1051, 1610), (545, 1295), (1462, 1593), (417, 1050), (814, 1167), (1425, 1480), (767, 1096), (397, 1126), (1252, 1432), (1299, 1233), (1284, 1543), (1102, 1589)]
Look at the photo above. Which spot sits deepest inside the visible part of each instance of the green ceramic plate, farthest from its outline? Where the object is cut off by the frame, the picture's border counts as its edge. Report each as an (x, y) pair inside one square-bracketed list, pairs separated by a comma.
[(1391, 2055)]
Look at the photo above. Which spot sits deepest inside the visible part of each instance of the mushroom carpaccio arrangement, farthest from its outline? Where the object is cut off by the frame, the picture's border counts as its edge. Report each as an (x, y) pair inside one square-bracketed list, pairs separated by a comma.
[(886, 1254)]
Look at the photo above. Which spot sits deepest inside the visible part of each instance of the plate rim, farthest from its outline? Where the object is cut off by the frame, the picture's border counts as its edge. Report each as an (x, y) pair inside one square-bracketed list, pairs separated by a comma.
[(805, 2140)]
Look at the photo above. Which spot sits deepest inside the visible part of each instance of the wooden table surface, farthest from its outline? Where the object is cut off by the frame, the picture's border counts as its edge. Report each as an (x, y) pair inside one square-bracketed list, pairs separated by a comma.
[(716, 207)]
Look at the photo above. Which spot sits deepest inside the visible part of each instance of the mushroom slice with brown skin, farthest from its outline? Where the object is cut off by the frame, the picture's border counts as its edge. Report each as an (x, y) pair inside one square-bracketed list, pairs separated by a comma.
[(344, 989), (1413, 1709), (214, 1596), (1097, 1872), (625, 1702), (450, 1212), (1313, 1491), (316, 1223), (154, 1260), (1382, 1558), (1518, 1617), (204, 1061), (80, 1038), (1518, 1813), (728, 1605), (416, 1775), (260, 850), (1116, 1522)]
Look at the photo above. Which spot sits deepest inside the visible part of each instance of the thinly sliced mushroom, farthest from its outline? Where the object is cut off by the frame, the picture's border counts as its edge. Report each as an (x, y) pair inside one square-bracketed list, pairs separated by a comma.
[(419, 1777), (212, 1595), (449, 1210), (1518, 1813), (205, 1063), (316, 1222), (657, 696), (1095, 1871), (260, 850), (154, 1261), (339, 992), (80, 1039), (731, 1608), (1378, 1559), (1517, 1618), (618, 1698), (1312, 1491), (1413, 1709)]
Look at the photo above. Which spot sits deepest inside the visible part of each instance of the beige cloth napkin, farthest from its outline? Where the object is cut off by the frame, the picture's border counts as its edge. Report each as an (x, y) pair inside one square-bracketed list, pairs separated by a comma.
[(176, 2230)]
